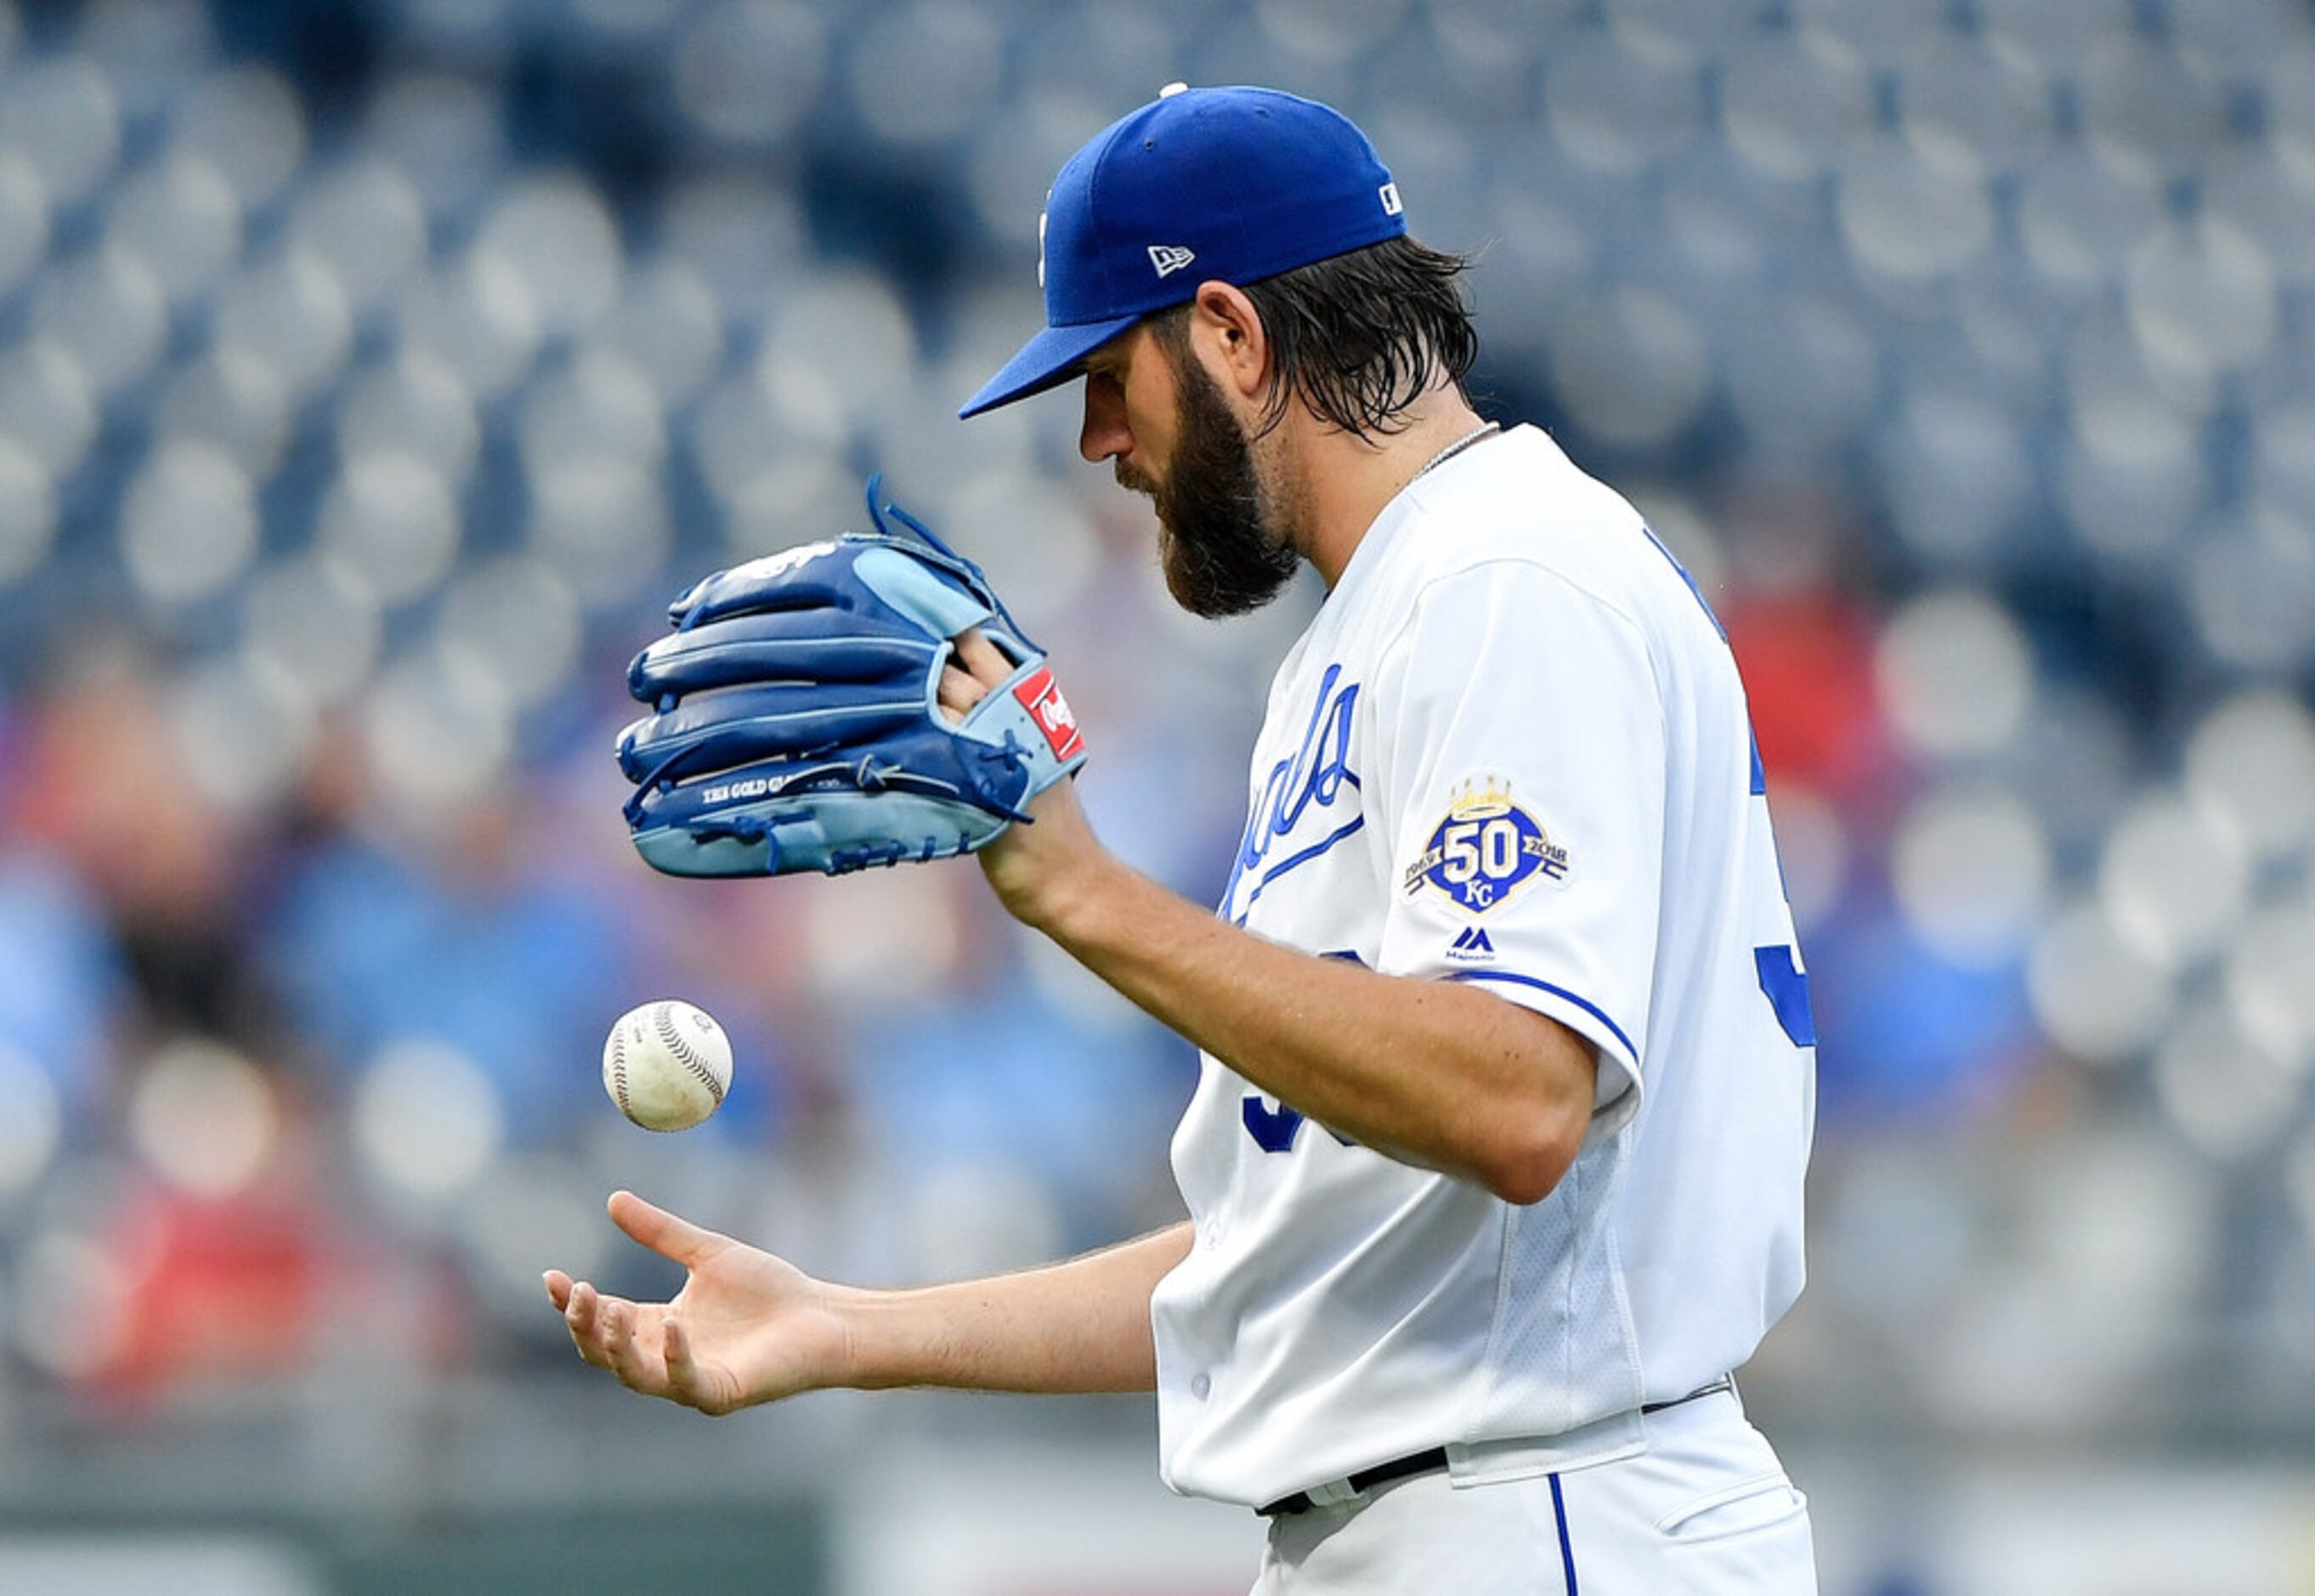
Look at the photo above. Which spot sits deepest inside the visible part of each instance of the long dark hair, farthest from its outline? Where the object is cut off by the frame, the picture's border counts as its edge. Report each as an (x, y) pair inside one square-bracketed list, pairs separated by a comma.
[(1360, 337)]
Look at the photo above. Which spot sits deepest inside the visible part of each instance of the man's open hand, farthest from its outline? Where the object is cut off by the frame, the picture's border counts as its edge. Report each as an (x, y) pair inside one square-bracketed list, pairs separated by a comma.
[(747, 1327)]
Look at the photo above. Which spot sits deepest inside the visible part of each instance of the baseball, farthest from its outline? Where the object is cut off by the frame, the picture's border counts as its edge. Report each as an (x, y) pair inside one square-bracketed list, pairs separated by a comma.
[(667, 1065)]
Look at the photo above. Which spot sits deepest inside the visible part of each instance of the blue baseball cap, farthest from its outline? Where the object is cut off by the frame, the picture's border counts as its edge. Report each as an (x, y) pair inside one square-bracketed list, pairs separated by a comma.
[(1234, 184)]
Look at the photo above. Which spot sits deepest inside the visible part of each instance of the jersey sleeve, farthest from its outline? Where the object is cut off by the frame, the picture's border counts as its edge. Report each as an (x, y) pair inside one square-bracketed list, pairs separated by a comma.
[(1522, 795)]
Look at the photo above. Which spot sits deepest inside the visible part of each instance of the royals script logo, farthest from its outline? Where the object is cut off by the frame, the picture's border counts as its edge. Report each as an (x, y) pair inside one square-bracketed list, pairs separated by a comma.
[(1302, 786)]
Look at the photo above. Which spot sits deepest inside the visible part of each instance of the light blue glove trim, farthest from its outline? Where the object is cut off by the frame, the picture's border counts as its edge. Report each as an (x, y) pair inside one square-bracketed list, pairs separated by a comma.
[(1001, 718), (917, 592), (843, 832)]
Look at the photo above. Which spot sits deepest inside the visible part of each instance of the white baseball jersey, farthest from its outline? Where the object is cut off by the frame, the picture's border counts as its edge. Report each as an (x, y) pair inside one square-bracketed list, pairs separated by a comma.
[(1511, 751)]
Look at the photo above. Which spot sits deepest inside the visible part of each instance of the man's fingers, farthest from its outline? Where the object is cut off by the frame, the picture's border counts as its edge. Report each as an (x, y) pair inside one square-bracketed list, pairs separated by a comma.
[(981, 659), (675, 1353), (661, 1231), (959, 692), (626, 1358), (579, 1309), (582, 1314), (558, 1288)]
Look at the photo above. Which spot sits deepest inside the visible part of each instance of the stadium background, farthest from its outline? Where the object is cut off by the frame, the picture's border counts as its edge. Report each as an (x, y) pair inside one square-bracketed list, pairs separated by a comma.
[(370, 375)]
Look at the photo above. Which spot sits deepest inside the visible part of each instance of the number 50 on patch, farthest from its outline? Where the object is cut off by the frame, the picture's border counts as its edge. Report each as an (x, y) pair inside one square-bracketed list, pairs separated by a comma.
[(1485, 849)]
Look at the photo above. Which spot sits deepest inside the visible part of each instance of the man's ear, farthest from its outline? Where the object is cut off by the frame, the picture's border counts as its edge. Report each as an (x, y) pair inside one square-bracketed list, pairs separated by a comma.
[(1227, 332)]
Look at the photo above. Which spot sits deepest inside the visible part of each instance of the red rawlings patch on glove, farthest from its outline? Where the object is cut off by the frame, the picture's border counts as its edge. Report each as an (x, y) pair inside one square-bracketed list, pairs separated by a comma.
[(1041, 695)]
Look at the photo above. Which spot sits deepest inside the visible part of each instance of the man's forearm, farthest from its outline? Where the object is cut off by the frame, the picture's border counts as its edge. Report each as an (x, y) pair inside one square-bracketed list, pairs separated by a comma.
[(1431, 1073), (1077, 1326)]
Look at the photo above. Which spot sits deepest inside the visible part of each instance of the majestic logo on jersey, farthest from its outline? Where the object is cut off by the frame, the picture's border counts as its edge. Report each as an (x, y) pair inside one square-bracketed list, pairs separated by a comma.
[(1169, 258), (1311, 779), (1471, 947), (1486, 849)]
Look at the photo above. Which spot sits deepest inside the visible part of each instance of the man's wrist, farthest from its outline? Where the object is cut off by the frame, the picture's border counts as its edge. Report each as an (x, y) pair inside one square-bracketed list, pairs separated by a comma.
[(1051, 871), (863, 1358), (1070, 905)]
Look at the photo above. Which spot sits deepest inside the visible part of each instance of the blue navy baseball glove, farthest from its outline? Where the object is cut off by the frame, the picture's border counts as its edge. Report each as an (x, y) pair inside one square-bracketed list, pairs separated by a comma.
[(796, 723)]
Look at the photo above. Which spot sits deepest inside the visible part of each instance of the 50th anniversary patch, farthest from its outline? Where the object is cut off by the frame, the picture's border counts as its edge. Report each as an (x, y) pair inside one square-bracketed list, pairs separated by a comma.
[(1486, 849)]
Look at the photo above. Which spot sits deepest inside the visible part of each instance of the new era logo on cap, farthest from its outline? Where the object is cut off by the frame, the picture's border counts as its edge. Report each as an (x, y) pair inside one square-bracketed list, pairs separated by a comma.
[(1169, 258)]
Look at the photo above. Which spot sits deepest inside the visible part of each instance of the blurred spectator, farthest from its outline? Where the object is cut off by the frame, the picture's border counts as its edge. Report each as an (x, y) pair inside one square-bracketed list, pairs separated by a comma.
[(459, 927)]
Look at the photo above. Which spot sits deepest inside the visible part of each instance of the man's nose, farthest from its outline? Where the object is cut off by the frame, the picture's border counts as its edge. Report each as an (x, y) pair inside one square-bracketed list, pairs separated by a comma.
[(1104, 435)]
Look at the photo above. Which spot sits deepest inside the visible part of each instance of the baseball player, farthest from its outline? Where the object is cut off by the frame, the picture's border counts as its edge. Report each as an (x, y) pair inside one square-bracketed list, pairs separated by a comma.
[(1494, 1170)]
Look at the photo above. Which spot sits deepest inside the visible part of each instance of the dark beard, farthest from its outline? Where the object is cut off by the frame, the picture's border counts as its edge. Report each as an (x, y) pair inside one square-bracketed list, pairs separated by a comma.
[(1219, 559)]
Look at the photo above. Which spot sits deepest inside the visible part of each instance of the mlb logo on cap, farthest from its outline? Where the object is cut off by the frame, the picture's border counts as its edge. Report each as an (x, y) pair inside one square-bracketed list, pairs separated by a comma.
[(1231, 183)]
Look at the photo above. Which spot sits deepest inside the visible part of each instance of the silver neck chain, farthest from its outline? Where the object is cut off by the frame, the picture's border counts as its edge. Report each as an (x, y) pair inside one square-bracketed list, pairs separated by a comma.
[(1455, 448)]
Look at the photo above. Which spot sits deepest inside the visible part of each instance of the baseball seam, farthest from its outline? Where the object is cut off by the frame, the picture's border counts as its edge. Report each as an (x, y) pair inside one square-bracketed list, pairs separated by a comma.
[(619, 1070), (664, 1019)]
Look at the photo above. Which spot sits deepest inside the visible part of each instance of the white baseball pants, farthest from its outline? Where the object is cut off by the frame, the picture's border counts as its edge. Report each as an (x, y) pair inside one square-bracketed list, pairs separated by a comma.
[(1705, 1511)]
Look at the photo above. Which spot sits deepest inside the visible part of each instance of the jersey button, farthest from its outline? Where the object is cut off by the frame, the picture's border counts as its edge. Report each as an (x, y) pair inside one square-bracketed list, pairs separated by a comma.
[(1200, 1385)]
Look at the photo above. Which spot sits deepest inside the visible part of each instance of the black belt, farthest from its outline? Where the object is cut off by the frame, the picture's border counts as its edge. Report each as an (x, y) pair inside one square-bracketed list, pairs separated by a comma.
[(1435, 1459)]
